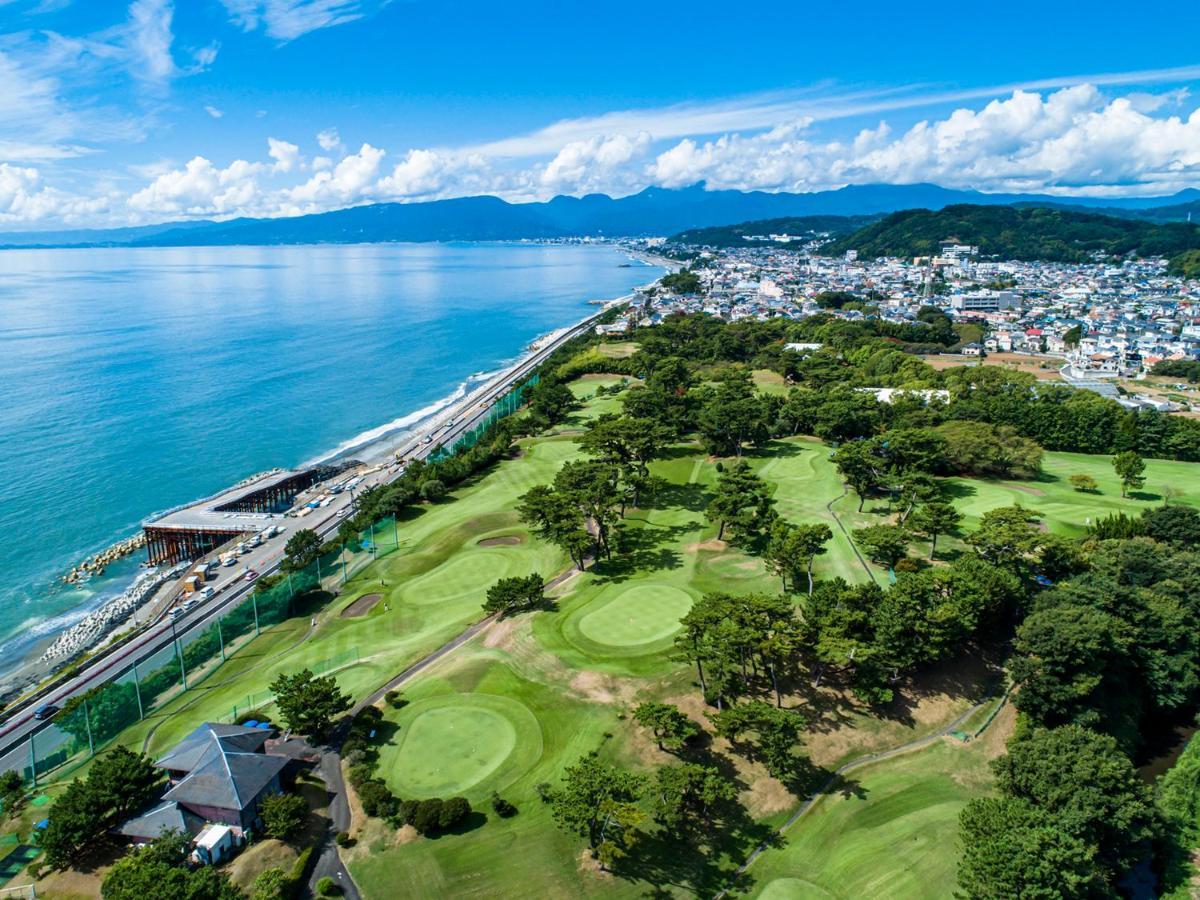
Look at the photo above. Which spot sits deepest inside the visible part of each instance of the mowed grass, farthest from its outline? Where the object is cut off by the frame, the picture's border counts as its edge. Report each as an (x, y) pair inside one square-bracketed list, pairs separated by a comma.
[(513, 708), (621, 615), (889, 830), (526, 855), (1067, 511), (807, 484), (459, 744), (433, 587)]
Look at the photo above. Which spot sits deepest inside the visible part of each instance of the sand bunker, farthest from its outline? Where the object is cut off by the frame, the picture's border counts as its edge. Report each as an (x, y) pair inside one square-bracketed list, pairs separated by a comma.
[(361, 606), (508, 540)]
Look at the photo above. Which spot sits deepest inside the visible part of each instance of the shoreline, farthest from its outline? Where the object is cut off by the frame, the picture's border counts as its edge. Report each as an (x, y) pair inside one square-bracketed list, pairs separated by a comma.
[(373, 447)]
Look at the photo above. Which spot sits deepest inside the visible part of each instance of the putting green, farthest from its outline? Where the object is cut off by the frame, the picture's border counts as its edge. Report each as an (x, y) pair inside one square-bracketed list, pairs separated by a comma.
[(642, 614), (459, 743)]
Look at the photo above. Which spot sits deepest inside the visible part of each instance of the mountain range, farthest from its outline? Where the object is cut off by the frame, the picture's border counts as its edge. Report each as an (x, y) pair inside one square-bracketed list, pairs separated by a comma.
[(653, 211)]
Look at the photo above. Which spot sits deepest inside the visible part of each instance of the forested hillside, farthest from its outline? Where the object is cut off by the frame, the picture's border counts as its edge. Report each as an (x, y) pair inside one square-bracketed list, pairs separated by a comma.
[(1006, 232)]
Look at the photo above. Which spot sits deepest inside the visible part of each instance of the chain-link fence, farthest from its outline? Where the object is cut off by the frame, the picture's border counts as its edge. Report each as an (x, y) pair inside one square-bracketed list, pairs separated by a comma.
[(505, 406), (194, 653), (256, 705)]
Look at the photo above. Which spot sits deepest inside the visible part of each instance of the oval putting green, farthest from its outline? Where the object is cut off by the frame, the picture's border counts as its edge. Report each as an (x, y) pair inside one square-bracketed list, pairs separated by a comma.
[(458, 744), (641, 614)]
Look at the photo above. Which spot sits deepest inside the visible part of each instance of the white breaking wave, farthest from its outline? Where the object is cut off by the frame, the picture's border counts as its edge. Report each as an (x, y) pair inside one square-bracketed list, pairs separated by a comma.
[(407, 422)]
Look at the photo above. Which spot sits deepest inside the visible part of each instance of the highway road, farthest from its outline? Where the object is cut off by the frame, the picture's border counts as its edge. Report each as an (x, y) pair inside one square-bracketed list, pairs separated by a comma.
[(266, 559)]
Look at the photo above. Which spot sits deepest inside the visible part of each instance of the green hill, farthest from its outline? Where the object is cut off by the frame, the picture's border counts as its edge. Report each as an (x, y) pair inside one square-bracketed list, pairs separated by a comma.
[(754, 234), (1027, 233), (1186, 264)]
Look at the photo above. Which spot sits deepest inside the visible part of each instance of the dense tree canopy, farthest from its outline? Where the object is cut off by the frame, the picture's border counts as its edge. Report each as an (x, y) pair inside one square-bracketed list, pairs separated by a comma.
[(308, 704)]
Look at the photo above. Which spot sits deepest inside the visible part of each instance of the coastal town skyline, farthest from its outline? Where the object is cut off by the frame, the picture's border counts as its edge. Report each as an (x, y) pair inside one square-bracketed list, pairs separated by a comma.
[(121, 114)]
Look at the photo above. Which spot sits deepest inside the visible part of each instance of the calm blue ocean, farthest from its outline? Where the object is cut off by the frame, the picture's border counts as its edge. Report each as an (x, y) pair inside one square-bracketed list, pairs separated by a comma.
[(134, 380)]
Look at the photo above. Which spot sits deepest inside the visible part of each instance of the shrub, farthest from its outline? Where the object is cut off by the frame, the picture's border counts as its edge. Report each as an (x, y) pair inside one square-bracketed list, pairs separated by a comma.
[(405, 810), (544, 791), (284, 815), (395, 699), (272, 884), (377, 800), (344, 840), (1085, 484), (426, 818), (327, 887), (300, 866), (360, 774), (454, 811), (433, 490), (502, 807)]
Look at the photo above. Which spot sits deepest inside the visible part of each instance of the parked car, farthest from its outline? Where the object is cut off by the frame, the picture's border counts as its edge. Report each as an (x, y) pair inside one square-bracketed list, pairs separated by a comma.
[(45, 711)]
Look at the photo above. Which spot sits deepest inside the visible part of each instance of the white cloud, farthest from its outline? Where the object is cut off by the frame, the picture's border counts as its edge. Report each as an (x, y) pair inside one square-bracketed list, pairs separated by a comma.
[(592, 164), (200, 189), (286, 156), (350, 181), (1072, 140), (329, 140), (149, 40), (1068, 140), (428, 174), (766, 109), (204, 57), (286, 20), (24, 198), (214, 112)]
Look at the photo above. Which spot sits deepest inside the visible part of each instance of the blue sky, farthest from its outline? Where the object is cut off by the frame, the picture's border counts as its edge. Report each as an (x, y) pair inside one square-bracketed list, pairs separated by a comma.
[(115, 113)]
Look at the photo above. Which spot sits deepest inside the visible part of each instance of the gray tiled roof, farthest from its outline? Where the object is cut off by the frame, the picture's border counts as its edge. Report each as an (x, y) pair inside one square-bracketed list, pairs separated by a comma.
[(167, 816), (188, 752), (224, 768)]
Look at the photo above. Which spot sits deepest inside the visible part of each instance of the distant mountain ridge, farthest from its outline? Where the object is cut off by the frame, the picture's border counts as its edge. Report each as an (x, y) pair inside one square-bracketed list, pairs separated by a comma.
[(653, 211)]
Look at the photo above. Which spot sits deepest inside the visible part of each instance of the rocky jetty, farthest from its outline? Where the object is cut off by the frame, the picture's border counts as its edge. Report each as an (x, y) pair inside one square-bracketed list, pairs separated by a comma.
[(99, 624), (95, 565)]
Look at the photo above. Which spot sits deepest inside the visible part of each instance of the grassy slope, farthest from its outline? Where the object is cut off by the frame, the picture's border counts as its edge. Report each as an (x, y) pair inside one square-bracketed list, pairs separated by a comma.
[(889, 831), (556, 684)]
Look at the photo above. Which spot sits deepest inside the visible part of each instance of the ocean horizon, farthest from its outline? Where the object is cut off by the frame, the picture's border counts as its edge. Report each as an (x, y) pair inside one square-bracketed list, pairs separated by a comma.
[(138, 380)]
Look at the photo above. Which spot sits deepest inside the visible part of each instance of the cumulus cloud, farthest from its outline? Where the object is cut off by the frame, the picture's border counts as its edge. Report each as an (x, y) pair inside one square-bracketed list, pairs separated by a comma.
[(200, 188), (286, 156), (350, 181), (329, 140), (214, 112), (24, 198), (1070, 139), (591, 164)]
